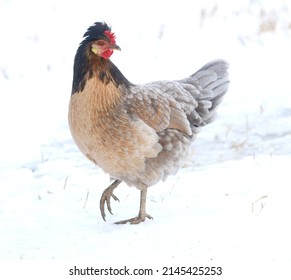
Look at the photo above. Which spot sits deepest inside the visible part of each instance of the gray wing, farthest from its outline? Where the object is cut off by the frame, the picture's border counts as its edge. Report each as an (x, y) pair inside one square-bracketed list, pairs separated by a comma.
[(185, 105)]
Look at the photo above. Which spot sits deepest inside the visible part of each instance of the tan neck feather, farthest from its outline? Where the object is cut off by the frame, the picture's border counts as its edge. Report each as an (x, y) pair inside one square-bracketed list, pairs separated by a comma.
[(104, 97)]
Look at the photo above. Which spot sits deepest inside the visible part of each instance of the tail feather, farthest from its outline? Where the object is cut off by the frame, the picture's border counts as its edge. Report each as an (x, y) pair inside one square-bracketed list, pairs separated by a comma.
[(205, 78), (218, 66), (212, 81)]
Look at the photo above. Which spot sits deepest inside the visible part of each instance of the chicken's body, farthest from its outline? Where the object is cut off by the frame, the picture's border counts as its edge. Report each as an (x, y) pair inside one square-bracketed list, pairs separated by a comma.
[(139, 134)]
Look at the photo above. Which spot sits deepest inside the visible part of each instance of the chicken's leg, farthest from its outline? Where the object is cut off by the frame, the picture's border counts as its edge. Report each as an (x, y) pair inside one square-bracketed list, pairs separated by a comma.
[(105, 198), (142, 215)]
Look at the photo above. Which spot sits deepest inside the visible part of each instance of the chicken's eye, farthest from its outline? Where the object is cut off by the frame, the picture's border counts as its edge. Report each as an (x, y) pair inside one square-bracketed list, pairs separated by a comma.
[(100, 43)]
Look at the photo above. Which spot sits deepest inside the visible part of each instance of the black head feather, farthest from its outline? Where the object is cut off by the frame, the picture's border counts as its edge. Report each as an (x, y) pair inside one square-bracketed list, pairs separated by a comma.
[(95, 32), (84, 65)]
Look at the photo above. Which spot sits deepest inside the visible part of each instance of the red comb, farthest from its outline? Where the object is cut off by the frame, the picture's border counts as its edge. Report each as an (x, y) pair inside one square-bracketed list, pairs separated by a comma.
[(111, 36)]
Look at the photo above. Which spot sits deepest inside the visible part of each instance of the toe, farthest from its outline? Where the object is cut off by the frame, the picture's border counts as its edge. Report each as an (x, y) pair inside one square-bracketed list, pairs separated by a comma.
[(105, 199), (135, 221)]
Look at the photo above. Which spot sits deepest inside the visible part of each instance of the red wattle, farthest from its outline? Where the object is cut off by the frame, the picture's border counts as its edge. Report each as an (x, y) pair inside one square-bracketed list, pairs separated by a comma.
[(107, 54)]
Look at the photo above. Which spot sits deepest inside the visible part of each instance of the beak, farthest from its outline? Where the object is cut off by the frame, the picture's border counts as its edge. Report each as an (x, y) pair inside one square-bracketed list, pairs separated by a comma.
[(114, 47)]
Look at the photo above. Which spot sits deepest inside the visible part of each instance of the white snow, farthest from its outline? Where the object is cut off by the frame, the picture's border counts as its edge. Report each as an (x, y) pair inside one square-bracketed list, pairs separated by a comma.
[(229, 205)]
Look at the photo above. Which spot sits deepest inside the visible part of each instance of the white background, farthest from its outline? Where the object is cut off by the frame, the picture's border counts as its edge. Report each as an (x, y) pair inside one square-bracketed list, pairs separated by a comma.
[(229, 205)]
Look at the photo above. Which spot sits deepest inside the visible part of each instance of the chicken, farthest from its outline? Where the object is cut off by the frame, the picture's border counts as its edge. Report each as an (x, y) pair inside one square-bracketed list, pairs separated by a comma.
[(138, 134)]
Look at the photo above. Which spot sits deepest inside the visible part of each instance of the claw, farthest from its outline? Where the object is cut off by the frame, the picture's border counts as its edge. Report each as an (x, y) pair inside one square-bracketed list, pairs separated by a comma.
[(106, 196)]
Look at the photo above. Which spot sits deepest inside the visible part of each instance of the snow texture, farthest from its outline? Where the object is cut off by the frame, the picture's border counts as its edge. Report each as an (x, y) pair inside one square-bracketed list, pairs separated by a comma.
[(231, 202)]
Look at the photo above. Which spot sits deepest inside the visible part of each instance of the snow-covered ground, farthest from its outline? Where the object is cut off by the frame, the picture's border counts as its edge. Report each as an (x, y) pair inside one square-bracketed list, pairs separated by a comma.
[(231, 203)]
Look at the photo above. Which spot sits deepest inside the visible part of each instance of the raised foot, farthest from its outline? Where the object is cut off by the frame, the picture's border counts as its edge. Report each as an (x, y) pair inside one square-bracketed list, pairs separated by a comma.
[(106, 196), (135, 221)]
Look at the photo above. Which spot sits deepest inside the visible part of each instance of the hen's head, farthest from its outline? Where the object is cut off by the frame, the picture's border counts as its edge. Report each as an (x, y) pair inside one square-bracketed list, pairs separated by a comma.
[(101, 40)]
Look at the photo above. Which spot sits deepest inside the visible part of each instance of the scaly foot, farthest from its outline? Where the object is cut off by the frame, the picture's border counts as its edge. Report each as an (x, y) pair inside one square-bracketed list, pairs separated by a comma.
[(142, 215), (136, 220), (106, 196)]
